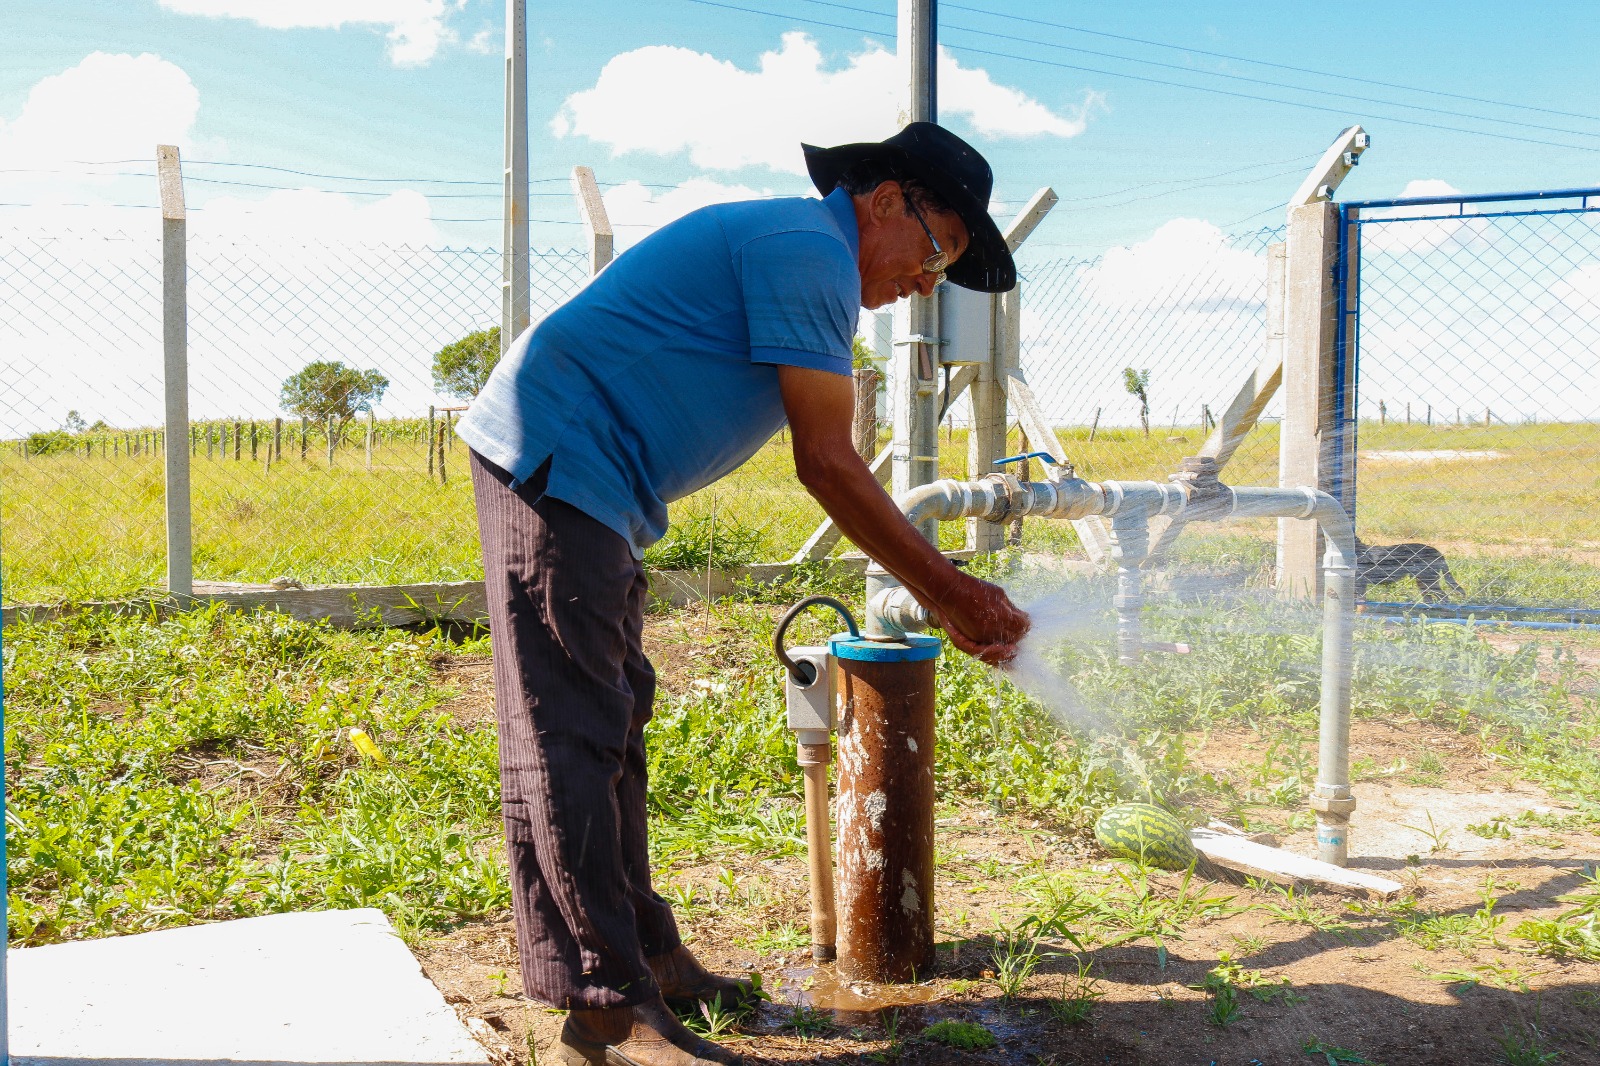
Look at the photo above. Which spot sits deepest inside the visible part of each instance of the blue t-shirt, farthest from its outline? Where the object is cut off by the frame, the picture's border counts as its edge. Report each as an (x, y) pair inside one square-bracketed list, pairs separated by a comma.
[(661, 376)]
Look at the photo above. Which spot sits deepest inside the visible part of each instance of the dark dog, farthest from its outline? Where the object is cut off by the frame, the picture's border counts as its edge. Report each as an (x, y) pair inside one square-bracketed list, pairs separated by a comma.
[(1384, 564)]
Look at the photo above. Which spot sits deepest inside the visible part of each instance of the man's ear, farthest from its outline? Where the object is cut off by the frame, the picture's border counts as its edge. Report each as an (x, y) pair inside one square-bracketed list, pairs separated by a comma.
[(886, 200)]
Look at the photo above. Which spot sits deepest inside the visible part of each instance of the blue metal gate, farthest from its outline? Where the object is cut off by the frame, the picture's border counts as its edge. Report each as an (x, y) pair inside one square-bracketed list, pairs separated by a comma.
[(1469, 336)]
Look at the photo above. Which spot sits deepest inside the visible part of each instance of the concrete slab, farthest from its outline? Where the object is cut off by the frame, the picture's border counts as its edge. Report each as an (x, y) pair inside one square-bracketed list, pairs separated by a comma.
[(313, 987)]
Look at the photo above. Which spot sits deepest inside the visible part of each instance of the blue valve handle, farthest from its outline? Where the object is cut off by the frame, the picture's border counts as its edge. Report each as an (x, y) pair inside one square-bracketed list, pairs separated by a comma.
[(1046, 456)]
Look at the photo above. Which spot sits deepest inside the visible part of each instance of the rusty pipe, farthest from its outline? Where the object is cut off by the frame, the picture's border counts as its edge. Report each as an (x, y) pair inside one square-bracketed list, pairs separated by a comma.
[(885, 807)]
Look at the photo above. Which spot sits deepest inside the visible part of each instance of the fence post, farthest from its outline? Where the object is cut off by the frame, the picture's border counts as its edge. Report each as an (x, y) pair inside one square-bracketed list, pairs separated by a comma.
[(304, 425), (514, 297), (276, 452), (1310, 316), (175, 364), (430, 442), (332, 421), (596, 223), (986, 440), (253, 442), (370, 417), (864, 421), (442, 478)]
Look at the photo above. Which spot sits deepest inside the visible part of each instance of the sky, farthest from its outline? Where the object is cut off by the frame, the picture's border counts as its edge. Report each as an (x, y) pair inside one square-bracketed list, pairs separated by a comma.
[(678, 102), (1163, 127)]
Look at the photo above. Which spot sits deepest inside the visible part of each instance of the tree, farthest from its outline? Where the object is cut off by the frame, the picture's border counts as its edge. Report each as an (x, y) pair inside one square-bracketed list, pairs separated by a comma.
[(1137, 382), (461, 369), (74, 422), (328, 389)]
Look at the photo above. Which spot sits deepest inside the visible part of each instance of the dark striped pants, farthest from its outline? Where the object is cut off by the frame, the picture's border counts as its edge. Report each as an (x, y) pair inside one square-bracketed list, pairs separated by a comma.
[(572, 692)]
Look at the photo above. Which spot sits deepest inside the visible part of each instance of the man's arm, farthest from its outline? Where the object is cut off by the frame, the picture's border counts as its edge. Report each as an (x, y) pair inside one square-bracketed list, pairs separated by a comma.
[(978, 617)]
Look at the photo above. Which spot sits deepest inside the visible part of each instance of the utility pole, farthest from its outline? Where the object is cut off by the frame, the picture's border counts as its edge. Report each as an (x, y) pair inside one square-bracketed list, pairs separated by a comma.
[(514, 237), (914, 403)]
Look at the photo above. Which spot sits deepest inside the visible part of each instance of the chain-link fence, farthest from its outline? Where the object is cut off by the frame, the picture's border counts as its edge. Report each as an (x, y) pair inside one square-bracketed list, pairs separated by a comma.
[(1476, 325), (1136, 354), (320, 440), (383, 496)]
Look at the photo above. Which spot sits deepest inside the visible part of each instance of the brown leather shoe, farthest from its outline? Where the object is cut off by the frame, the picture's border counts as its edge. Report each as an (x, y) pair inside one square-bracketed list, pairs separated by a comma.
[(684, 982), (646, 1035)]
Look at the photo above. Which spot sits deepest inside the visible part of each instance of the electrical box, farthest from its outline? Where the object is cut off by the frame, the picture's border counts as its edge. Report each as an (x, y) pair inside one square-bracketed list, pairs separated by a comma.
[(966, 326), (811, 702)]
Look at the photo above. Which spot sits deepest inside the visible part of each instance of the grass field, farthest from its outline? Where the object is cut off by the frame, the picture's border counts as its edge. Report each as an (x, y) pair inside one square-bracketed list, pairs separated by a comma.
[(201, 767), (1521, 526)]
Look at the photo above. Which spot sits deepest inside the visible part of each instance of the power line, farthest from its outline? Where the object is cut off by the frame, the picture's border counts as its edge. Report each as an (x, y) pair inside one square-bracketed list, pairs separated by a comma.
[(1263, 62), (1212, 73), (1171, 84)]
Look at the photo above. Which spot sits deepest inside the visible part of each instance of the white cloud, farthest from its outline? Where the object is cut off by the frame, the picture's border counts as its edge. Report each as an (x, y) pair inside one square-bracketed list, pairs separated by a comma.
[(1399, 237), (416, 28), (297, 216), (665, 100), (1186, 264), (107, 107), (635, 209)]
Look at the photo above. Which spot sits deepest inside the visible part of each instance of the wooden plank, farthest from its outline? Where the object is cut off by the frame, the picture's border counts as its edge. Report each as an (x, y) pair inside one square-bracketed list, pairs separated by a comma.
[(1310, 313), (1245, 856), (1242, 414)]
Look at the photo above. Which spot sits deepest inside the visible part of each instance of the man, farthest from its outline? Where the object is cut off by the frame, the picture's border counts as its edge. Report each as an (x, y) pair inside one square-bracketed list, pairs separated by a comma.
[(671, 369)]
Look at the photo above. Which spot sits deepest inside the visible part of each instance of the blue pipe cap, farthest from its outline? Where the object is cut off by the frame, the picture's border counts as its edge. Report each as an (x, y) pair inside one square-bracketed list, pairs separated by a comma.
[(911, 648)]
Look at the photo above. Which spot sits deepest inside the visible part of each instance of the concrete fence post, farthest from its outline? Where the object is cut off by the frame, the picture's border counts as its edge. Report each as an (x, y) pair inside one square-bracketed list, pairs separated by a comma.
[(175, 363), (596, 223), (1310, 313)]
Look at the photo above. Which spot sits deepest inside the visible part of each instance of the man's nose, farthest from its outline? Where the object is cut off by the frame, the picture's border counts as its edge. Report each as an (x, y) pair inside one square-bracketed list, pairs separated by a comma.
[(926, 283)]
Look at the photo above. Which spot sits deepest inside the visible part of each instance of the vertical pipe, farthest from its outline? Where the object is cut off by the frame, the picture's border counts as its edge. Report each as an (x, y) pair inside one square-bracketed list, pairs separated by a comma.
[(885, 805), (814, 760), (915, 399), (1332, 800), (1130, 543)]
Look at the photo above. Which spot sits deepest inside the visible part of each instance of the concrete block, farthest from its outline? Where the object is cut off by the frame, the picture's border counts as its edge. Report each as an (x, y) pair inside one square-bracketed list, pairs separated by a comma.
[(311, 987)]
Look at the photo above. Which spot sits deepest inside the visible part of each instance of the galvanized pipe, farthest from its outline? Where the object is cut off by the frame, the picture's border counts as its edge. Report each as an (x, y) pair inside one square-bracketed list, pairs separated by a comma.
[(1130, 504)]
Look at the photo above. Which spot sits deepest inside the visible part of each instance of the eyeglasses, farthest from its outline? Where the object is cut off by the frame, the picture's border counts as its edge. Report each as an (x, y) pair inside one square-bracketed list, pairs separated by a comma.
[(940, 259)]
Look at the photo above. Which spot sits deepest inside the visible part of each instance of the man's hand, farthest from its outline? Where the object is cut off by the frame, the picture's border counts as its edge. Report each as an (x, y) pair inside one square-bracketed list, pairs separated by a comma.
[(978, 617)]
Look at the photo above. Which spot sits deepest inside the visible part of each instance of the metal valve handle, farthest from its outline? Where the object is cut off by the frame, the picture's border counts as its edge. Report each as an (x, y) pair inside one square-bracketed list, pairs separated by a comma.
[(1043, 456)]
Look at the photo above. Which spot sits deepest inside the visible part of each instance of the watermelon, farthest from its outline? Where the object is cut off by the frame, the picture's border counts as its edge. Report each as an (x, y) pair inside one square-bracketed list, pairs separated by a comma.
[(1145, 833)]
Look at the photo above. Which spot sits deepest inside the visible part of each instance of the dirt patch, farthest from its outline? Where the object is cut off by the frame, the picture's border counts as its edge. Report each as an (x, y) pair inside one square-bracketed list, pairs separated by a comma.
[(1318, 970)]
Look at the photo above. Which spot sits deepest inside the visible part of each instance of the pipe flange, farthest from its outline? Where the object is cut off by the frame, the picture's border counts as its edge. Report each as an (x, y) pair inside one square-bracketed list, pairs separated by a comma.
[(1338, 806)]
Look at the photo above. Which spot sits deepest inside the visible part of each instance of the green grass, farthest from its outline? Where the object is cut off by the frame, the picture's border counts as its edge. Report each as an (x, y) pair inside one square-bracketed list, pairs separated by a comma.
[(1523, 529), (200, 767)]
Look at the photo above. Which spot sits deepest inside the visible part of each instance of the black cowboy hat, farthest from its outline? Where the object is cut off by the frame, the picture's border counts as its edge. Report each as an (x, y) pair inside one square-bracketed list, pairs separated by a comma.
[(950, 167)]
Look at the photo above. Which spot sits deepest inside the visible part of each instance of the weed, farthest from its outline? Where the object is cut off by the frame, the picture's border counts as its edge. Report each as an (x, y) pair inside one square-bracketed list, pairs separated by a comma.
[(712, 1020), (776, 939), (807, 1021), (1465, 933), (1336, 1056), (1014, 959), (1495, 975), (1439, 838), (1297, 908), (1078, 995), (967, 1036), (1575, 932), (1224, 1006), (1525, 1047), (1494, 829), (891, 1035)]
